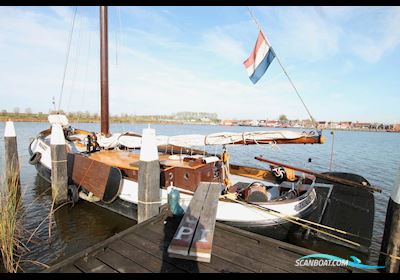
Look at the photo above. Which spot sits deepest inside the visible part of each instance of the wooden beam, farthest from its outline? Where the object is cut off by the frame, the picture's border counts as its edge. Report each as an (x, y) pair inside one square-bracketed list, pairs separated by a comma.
[(104, 70), (180, 244), (194, 236), (323, 176), (203, 238), (302, 140)]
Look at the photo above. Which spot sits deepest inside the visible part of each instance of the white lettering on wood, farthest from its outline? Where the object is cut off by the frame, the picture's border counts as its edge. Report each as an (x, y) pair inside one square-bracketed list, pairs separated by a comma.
[(204, 235), (183, 231)]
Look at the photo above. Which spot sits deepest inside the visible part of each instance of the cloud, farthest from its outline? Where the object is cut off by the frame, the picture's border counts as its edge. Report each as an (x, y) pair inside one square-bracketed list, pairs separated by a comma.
[(224, 46), (372, 44), (230, 42), (154, 19), (160, 71), (302, 32), (19, 27), (64, 13)]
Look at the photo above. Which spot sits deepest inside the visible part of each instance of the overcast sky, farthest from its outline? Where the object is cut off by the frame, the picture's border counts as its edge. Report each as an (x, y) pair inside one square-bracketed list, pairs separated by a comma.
[(345, 61)]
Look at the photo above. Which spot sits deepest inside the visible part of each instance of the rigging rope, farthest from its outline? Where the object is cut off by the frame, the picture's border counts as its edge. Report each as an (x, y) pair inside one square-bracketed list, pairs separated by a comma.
[(86, 70), (67, 57), (290, 219), (284, 70), (117, 35), (77, 55)]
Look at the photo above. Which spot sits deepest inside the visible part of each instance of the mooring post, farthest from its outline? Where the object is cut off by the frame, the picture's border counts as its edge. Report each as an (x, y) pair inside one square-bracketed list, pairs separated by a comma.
[(391, 236), (11, 155), (59, 177), (149, 177)]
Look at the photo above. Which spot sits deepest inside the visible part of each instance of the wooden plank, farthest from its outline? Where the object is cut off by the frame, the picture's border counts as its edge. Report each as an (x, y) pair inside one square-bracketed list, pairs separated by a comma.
[(121, 159), (217, 263), (158, 249), (69, 269), (270, 255), (202, 242), (120, 263), (234, 250), (280, 254), (182, 239), (92, 265), (233, 259), (251, 172), (104, 243), (142, 257), (275, 254)]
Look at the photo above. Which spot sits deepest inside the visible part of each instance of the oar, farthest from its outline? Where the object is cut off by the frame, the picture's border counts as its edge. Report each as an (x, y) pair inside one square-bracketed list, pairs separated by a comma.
[(323, 176)]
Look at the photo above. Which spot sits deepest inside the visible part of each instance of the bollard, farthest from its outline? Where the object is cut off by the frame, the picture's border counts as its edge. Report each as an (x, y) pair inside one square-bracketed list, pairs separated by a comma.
[(149, 177), (11, 155), (59, 177), (391, 235)]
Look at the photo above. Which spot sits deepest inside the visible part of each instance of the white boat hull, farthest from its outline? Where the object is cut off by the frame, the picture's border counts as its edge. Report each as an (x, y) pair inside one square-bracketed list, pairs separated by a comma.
[(229, 212)]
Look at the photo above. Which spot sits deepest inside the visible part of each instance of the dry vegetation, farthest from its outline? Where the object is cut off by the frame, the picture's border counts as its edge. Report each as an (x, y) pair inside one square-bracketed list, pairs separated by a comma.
[(10, 227)]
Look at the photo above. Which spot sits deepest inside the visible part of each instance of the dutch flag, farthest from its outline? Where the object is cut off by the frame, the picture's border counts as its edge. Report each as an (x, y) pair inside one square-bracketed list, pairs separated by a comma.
[(260, 58)]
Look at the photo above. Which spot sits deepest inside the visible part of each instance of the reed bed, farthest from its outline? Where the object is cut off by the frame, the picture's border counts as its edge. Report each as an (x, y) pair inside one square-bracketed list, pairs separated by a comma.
[(12, 231), (10, 226)]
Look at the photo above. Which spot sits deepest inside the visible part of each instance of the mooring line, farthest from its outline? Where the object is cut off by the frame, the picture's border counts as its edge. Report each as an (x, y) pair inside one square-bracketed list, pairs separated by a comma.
[(280, 215)]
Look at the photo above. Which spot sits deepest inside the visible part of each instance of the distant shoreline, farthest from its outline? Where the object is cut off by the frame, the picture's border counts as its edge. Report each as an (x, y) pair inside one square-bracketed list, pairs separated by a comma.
[(141, 120), (151, 120)]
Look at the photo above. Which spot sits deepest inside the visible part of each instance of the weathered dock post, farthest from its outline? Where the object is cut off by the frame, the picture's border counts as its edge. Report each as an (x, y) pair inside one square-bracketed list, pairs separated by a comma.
[(11, 155), (149, 177), (391, 236), (59, 177)]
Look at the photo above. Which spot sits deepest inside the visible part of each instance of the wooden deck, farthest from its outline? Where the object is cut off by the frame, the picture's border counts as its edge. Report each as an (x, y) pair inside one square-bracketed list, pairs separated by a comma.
[(143, 248)]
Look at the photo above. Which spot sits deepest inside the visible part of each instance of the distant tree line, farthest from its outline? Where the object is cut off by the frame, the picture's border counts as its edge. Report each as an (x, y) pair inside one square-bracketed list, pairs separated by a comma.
[(86, 116)]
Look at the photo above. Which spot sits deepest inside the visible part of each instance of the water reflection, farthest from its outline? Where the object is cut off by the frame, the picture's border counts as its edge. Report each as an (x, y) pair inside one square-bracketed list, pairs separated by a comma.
[(72, 228)]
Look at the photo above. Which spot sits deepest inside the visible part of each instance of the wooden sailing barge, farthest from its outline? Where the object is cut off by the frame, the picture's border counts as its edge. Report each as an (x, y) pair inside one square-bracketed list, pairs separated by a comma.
[(103, 167)]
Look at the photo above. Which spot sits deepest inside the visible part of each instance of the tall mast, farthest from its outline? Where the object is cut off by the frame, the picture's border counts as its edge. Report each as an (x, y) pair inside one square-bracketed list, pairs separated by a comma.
[(104, 70)]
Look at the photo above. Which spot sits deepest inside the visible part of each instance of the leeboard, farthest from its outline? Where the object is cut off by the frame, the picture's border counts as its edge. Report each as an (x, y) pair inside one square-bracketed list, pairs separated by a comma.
[(194, 235), (102, 180)]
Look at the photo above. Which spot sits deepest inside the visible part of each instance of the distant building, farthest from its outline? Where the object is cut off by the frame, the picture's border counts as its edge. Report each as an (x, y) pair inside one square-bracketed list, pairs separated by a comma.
[(361, 125), (272, 123), (344, 125), (229, 122), (322, 124)]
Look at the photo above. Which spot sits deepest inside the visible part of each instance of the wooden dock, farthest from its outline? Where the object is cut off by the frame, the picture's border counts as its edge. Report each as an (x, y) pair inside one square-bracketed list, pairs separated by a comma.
[(143, 248)]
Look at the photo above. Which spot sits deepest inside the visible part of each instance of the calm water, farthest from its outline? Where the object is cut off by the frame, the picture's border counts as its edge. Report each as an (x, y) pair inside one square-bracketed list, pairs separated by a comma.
[(373, 155)]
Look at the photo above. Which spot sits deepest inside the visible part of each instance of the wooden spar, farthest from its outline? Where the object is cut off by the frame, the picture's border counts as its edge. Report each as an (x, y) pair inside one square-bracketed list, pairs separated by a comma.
[(302, 140), (104, 70), (322, 176), (173, 149)]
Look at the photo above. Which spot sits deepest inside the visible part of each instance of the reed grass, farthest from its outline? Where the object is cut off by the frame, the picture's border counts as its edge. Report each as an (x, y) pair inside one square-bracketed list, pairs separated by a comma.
[(10, 225)]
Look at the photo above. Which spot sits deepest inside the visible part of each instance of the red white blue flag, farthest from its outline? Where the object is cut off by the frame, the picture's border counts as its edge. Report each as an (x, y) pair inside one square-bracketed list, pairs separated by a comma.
[(260, 58)]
